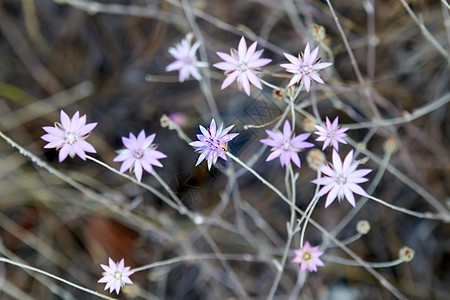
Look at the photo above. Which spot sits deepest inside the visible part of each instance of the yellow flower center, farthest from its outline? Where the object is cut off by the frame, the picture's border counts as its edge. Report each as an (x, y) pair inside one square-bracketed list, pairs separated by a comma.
[(307, 256), (118, 275)]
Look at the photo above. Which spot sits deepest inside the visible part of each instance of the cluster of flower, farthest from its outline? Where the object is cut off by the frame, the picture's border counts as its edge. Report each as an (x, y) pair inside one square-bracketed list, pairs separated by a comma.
[(69, 138), (243, 66), (342, 178)]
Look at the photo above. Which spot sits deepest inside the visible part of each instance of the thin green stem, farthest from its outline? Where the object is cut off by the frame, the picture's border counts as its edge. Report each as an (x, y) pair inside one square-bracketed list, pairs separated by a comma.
[(353, 62), (407, 117), (297, 91), (309, 209), (210, 256), (287, 184), (351, 239), (291, 233), (134, 180), (350, 262), (425, 215), (268, 84), (40, 163), (182, 208), (292, 105), (264, 181), (425, 32), (23, 266)]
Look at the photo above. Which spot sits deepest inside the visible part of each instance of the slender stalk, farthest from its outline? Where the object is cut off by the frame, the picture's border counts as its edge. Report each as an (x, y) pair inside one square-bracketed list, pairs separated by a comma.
[(182, 208), (425, 32), (291, 232), (209, 256), (292, 105), (350, 239), (297, 91), (309, 209), (94, 7), (425, 215), (264, 181), (350, 262), (26, 267), (272, 86), (145, 186), (366, 88), (407, 117)]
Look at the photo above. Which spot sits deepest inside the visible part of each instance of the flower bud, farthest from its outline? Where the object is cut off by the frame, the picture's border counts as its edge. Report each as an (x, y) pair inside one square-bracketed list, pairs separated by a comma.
[(390, 146), (363, 227), (406, 254), (279, 94), (308, 125), (165, 121), (315, 159), (318, 33)]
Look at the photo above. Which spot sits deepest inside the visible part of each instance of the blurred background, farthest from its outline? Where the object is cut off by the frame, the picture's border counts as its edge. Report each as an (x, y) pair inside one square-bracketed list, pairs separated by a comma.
[(107, 60)]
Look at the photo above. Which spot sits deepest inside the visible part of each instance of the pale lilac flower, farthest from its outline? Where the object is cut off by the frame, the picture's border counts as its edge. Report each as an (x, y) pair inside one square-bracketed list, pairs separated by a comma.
[(139, 154), (68, 137), (331, 134), (185, 59), (308, 258), (305, 67), (212, 143), (286, 145), (116, 275), (242, 65), (342, 179)]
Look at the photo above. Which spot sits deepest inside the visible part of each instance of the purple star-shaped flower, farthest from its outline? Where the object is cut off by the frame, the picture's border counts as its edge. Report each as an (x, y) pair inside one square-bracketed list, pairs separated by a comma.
[(116, 275), (242, 65), (286, 145), (305, 67), (185, 59), (212, 143), (68, 137), (342, 179), (139, 154), (331, 134), (308, 258)]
